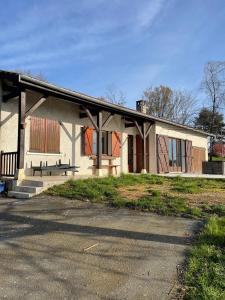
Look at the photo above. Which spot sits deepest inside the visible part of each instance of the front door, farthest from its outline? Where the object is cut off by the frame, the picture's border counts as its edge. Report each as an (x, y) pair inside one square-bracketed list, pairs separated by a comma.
[(130, 153), (139, 154)]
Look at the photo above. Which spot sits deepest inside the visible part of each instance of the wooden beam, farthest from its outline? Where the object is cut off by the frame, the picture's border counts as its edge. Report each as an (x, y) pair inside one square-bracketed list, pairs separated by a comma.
[(87, 111), (107, 121), (21, 129), (148, 130), (139, 129), (35, 106), (99, 141), (11, 95)]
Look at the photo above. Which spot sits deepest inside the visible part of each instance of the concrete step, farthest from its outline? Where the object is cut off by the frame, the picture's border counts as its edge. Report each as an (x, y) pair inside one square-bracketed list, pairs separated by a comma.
[(34, 183), (28, 189), (20, 195)]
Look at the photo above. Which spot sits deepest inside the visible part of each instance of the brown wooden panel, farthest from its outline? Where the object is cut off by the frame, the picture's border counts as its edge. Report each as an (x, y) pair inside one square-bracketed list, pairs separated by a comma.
[(163, 155), (116, 143), (198, 157), (131, 153), (188, 156), (37, 134), (52, 138), (88, 141)]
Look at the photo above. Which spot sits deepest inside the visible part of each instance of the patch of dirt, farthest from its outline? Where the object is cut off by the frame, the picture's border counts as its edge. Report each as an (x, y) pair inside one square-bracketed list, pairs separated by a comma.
[(211, 198), (138, 191)]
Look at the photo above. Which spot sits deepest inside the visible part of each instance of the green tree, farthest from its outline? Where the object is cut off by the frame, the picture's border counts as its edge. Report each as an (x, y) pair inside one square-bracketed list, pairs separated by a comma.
[(204, 121)]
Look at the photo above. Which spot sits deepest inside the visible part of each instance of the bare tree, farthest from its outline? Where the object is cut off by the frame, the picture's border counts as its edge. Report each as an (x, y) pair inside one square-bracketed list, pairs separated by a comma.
[(175, 105), (213, 84), (184, 105), (114, 95)]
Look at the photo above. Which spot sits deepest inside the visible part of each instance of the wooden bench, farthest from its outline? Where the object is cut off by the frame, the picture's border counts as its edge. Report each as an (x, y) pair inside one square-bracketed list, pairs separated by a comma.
[(58, 167), (110, 166)]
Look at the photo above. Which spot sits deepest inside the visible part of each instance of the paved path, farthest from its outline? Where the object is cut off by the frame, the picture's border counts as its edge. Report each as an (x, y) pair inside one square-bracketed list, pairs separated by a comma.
[(65, 249)]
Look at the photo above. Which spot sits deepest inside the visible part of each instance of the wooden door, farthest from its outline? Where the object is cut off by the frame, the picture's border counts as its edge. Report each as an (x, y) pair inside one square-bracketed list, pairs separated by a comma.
[(130, 153), (198, 158), (138, 153)]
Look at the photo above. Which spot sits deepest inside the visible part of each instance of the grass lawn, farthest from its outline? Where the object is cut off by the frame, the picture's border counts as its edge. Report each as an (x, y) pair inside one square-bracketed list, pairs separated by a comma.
[(178, 196), (205, 275), (195, 198)]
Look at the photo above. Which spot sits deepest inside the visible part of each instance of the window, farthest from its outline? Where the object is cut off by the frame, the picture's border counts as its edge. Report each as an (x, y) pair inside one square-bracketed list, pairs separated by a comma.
[(175, 152), (44, 135), (105, 142), (111, 142)]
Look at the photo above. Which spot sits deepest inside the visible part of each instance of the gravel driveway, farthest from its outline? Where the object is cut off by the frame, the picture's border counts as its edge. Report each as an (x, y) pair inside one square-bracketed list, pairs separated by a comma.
[(55, 248)]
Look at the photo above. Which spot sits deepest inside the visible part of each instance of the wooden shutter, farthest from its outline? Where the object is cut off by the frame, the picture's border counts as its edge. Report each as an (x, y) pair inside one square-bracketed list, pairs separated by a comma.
[(188, 156), (37, 134), (116, 143), (52, 143), (88, 141), (44, 135), (163, 154)]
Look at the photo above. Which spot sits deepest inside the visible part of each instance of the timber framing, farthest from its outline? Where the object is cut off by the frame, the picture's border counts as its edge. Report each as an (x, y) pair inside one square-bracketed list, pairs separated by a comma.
[(32, 109)]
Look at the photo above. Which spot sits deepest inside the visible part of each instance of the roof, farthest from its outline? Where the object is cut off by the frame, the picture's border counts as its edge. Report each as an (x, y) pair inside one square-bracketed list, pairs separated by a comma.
[(70, 95)]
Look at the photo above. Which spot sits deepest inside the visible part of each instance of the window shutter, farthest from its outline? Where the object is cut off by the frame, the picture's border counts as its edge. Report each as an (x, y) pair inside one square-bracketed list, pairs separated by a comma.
[(116, 143), (88, 141), (163, 155), (37, 134), (52, 136), (188, 156)]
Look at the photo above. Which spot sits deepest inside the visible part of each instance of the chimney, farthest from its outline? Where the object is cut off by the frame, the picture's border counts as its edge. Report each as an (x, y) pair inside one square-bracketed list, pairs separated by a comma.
[(141, 106)]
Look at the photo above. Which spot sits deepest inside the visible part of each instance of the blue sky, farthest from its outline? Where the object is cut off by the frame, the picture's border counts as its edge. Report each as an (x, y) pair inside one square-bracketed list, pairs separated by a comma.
[(91, 45)]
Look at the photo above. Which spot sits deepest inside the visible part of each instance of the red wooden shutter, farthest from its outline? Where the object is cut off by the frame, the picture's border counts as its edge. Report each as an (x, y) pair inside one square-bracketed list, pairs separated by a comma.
[(37, 134), (116, 143), (163, 154), (188, 156), (88, 141), (52, 136)]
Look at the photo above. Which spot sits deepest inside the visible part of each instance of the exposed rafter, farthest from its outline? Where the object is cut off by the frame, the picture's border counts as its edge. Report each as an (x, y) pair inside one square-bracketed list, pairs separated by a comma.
[(87, 111), (108, 120), (139, 129), (35, 106)]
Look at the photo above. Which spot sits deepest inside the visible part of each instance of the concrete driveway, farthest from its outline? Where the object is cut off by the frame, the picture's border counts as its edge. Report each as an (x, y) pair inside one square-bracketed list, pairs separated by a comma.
[(54, 248)]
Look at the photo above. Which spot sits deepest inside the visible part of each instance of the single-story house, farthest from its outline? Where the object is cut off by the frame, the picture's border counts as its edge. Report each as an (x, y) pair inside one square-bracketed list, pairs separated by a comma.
[(43, 123)]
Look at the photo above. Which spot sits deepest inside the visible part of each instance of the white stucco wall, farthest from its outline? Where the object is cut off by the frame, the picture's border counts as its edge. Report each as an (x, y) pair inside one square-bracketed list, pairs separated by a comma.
[(70, 137), (8, 124)]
